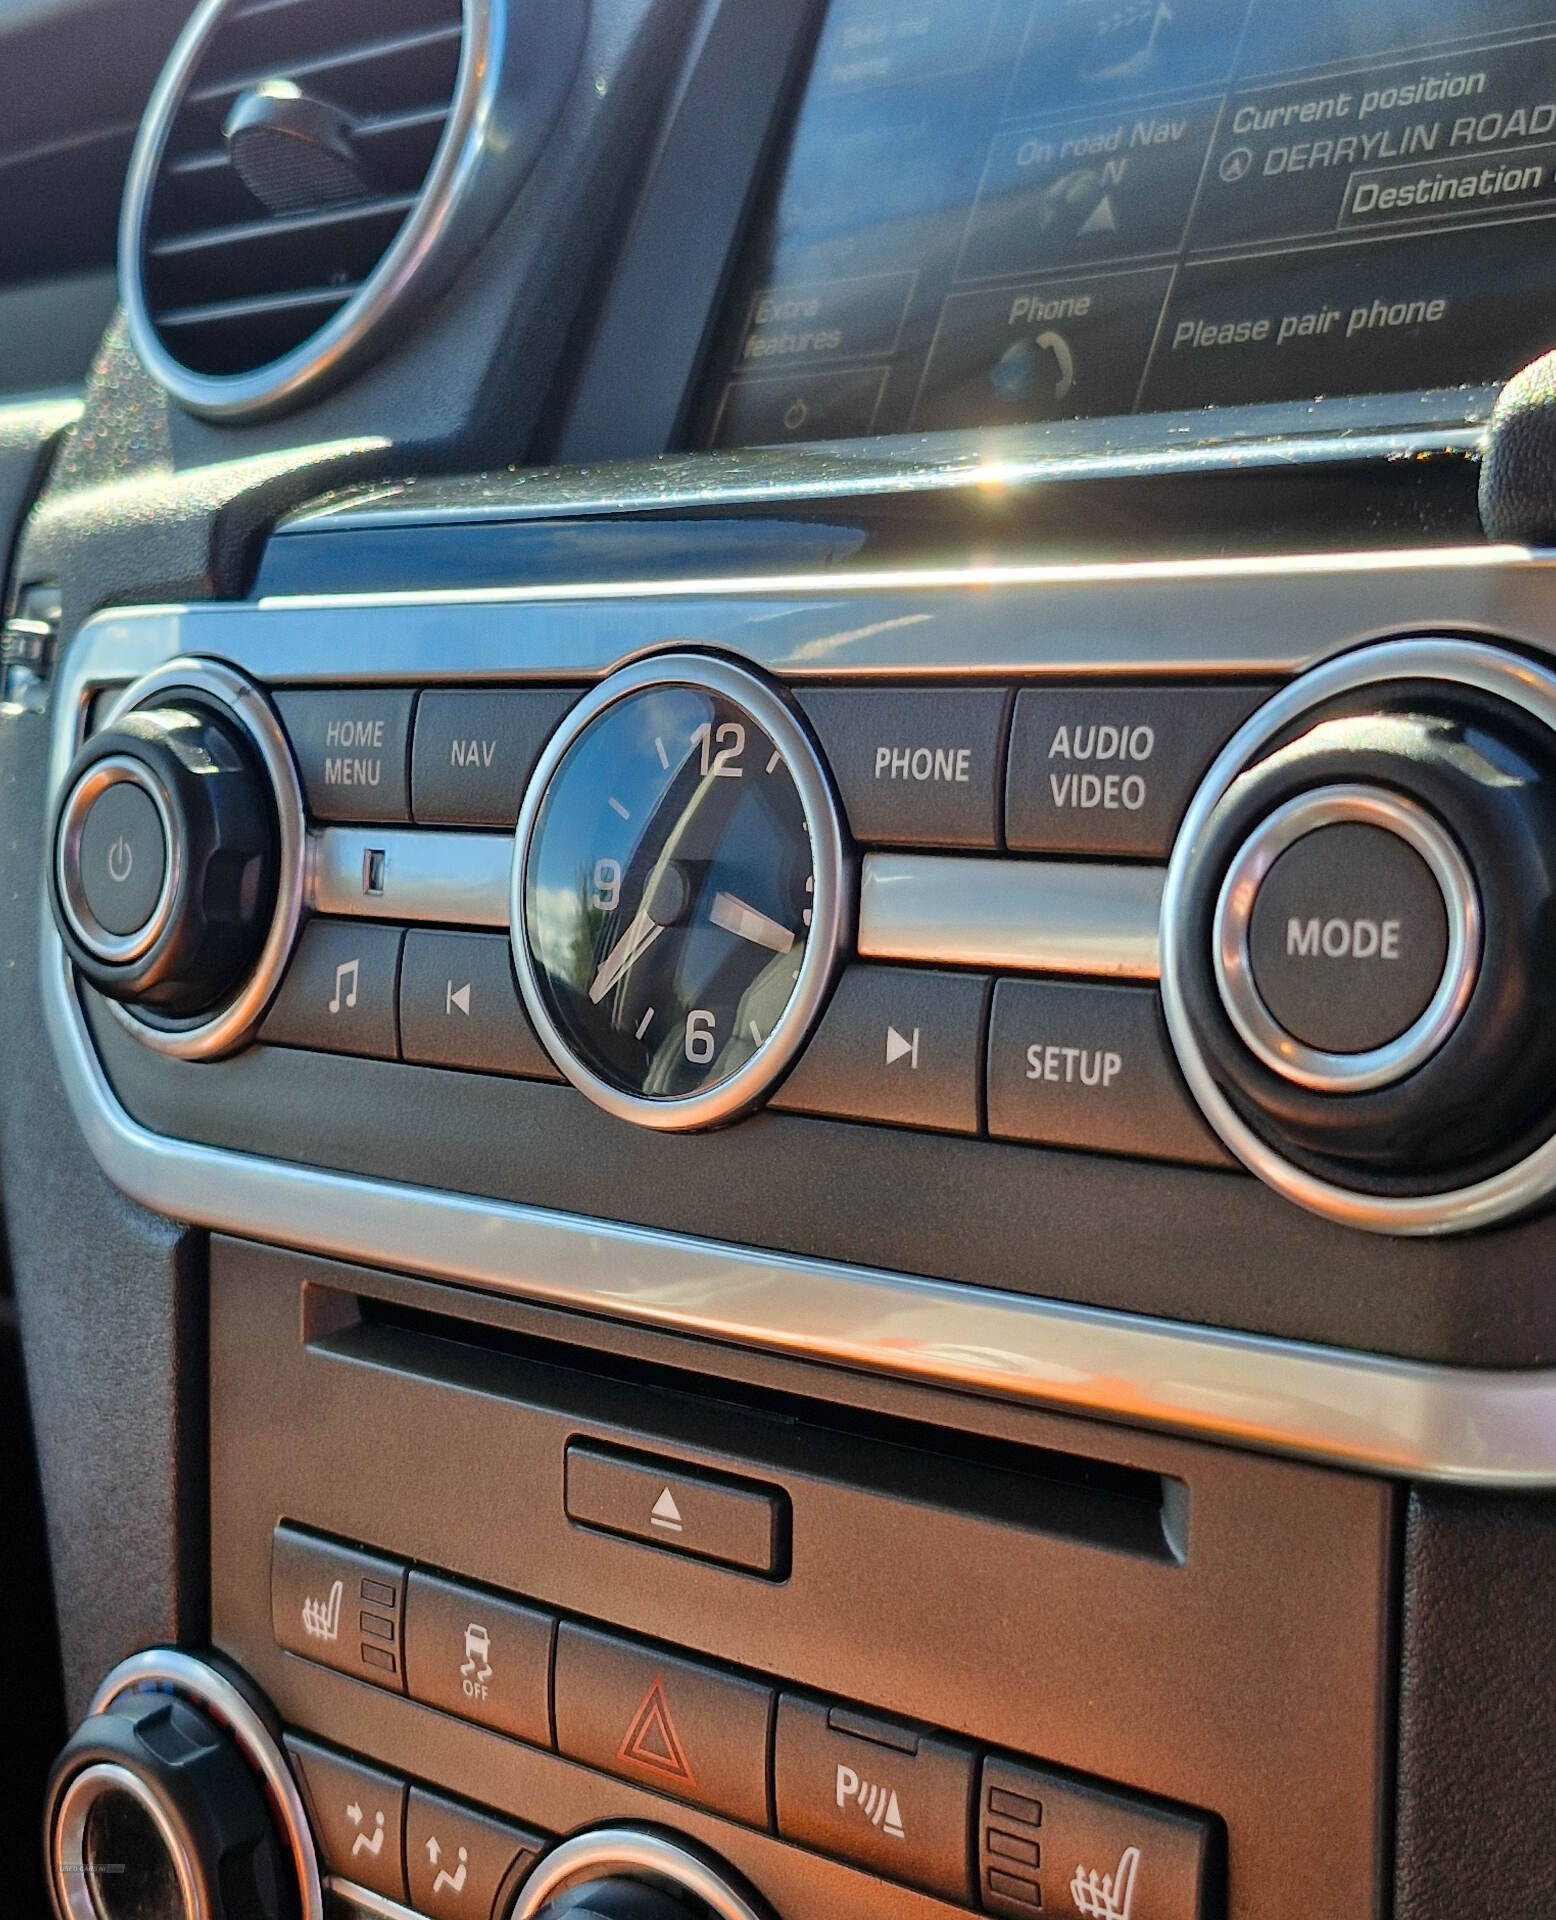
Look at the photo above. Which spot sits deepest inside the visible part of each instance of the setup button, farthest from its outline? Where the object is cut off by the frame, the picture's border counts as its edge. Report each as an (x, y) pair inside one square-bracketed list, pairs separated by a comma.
[(1074, 1065)]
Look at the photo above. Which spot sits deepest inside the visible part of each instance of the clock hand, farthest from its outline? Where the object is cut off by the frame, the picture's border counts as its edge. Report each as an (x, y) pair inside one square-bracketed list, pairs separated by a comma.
[(635, 942), (735, 917)]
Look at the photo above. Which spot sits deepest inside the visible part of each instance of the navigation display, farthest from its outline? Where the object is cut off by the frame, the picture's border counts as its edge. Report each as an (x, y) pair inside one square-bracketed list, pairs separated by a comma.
[(1003, 211)]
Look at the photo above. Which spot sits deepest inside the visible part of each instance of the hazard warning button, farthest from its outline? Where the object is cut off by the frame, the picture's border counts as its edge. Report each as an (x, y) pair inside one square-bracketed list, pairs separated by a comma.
[(666, 1723)]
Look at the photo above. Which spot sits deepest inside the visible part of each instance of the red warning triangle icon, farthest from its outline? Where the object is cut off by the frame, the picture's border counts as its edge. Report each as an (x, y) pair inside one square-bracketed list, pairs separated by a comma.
[(653, 1742)]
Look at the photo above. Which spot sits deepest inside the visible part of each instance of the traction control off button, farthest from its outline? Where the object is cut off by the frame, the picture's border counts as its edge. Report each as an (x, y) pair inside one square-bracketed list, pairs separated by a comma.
[(1052, 1845), (889, 1796)]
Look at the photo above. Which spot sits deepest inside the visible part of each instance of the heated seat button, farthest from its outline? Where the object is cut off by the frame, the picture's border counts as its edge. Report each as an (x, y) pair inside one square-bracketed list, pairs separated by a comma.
[(1088, 1066), (898, 1045), (338, 1606), (916, 767), (458, 1861), (475, 751), (889, 1796), (460, 1007), (669, 1724), (1103, 772), (488, 1660), (340, 992), (357, 1814), (737, 1524), (353, 749), (1053, 1845)]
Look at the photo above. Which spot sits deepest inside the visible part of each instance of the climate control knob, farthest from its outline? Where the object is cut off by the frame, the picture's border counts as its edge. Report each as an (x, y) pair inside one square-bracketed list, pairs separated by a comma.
[(633, 1873), (171, 1801), (175, 851), (1358, 965)]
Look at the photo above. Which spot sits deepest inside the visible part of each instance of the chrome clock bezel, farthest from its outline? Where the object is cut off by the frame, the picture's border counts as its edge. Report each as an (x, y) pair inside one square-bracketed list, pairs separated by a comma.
[(830, 865)]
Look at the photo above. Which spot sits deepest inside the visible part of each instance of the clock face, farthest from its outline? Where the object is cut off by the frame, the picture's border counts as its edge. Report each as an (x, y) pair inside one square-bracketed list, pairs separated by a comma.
[(668, 892)]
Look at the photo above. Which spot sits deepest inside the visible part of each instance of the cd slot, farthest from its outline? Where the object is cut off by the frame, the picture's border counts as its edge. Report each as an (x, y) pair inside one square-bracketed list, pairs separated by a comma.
[(762, 1433)]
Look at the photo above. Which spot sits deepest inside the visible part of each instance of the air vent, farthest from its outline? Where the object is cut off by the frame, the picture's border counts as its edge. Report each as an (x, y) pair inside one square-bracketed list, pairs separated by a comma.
[(303, 162)]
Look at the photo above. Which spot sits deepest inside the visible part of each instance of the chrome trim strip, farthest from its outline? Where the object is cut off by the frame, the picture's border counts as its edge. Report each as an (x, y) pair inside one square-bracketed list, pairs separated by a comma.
[(1462, 1209), (366, 1901), (636, 1853), (1028, 916), (451, 879), (1388, 1416), (165, 1669), (1296, 435)]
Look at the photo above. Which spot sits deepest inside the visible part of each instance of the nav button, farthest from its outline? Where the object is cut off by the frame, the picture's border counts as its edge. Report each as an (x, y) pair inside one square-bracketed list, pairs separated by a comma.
[(897, 1045)]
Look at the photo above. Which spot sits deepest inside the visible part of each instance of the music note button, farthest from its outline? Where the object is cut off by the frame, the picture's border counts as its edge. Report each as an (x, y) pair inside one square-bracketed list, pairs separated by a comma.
[(339, 993)]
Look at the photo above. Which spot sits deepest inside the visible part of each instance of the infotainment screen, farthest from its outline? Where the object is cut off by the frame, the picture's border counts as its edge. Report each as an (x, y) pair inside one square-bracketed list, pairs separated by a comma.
[(1002, 211)]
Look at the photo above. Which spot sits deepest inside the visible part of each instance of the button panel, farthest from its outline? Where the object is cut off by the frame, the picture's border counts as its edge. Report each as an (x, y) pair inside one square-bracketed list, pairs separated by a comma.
[(737, 1525), (888, 1795), (353, 749), (339, 1606), (891, 1797), (915, 767), (673, 1725)]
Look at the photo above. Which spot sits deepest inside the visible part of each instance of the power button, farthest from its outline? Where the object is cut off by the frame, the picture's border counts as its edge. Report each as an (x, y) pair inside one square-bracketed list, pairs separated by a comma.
[(114, 855)]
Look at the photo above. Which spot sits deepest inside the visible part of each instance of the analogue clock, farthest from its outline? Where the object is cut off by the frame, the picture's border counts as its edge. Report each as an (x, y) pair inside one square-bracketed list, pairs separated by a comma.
[(677, 892)]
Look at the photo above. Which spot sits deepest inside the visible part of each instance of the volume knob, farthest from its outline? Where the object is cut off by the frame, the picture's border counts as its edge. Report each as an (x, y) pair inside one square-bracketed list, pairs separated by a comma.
[(174, 874)]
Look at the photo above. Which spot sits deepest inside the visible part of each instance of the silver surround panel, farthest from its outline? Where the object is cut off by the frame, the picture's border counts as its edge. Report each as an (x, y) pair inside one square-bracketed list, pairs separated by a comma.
[(1258, 618), (1018, 916)]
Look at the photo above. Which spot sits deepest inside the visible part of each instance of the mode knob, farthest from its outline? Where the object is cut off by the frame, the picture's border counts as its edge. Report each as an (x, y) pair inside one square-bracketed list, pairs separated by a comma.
[(1357, 937), (175, 854), (171, 1802)]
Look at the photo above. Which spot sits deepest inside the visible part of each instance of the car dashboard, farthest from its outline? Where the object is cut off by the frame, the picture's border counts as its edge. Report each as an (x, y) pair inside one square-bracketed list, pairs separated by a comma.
[(779, 857)]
